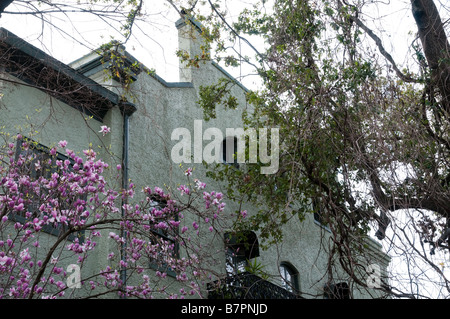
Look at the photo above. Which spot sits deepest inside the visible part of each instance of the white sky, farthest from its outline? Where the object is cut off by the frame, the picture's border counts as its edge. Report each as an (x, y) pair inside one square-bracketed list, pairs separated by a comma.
[(155, 44), (156, 49)]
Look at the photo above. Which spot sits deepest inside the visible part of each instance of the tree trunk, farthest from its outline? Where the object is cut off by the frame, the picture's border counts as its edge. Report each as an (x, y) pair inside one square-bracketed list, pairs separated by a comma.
[(4, 4), (435, 45)]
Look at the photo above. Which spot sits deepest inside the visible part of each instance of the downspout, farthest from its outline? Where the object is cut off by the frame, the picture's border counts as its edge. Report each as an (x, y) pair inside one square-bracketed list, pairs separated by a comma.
[(127, 109)]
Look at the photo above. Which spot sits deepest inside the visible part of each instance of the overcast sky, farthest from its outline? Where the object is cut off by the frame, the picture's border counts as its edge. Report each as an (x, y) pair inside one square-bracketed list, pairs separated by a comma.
[(154, 44)]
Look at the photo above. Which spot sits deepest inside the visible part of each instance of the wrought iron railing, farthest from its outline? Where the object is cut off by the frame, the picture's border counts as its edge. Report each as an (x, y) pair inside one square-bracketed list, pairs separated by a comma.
[(247, 286)]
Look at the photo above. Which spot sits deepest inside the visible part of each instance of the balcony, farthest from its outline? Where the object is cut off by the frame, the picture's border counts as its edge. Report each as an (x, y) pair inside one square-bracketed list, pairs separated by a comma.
[(247, 286)]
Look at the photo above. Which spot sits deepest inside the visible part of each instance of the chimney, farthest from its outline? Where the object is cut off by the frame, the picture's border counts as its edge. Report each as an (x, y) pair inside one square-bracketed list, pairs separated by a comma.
[(190, 41)]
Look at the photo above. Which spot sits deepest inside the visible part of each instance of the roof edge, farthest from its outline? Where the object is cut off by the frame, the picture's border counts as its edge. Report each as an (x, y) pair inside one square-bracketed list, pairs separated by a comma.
[(17, 43)]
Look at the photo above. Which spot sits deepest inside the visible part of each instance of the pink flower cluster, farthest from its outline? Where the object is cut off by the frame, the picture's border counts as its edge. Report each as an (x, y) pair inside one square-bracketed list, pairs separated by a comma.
[(61, 207)]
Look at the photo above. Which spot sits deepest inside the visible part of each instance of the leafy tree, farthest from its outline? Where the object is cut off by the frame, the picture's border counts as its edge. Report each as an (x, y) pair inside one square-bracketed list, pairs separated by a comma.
[(363, 142)]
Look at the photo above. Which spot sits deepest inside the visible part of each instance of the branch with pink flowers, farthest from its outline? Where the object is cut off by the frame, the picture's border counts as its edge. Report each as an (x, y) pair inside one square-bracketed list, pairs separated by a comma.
[(65, 232)]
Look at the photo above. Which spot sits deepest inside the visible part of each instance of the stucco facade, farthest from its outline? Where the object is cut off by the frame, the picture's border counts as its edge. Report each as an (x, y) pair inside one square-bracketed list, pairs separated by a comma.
[(144, 135)]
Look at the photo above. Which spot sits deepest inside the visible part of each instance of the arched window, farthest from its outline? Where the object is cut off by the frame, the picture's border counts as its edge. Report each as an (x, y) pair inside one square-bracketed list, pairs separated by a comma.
[(289, 277), (229, 151)]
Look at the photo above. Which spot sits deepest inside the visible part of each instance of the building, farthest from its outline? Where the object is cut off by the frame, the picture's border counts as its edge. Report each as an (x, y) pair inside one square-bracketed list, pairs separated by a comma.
[(48, 101)]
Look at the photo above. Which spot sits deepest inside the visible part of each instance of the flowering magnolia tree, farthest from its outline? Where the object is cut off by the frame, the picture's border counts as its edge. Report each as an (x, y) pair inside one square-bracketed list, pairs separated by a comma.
[(65, 232)]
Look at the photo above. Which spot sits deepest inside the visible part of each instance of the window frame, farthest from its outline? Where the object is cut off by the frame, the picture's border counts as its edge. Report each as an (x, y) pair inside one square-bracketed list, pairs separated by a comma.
[(240, 247), (290, 284), (236, 261), (156, 264), (318, 216), (224, 154), (38, 149)]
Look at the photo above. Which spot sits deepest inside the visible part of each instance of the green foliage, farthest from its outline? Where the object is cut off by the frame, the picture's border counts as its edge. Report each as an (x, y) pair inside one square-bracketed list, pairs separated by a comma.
[(216, 94), (345, 123), (255, 267)]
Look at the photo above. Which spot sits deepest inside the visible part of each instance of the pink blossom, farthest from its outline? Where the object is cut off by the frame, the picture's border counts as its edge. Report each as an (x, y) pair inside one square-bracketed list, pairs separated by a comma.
[(61, 202), (183, 189), (174, 223), (221, 207), (162, 225), (199, 184), (62, 144), (25, 255), (37, 166), (19, 207), (104, 129), (5, 261)]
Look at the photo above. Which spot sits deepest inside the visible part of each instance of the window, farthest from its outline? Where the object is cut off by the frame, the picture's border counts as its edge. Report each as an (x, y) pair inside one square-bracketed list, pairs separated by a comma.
[(229, 151), (318, 218), (340, 290), (166, 234), (241, 247), (40, 164), (318, 212), (236, 262), (289, 276), (166, 237)]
